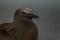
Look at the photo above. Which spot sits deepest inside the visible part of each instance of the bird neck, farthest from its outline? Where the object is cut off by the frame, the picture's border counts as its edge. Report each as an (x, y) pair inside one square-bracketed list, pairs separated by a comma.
[(20, 20)]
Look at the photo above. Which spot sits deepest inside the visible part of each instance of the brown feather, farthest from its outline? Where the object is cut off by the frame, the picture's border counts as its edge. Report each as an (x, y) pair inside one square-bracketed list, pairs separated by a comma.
[(18, 30)]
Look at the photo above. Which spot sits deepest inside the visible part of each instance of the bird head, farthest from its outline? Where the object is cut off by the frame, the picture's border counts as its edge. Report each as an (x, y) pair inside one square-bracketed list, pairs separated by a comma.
[(25, 13)]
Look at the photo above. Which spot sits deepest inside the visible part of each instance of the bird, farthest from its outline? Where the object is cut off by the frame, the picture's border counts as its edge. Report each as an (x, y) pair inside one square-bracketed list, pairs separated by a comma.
[(22, 27)]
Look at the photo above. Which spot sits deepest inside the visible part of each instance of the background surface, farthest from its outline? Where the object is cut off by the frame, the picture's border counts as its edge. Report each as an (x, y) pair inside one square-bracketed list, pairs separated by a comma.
[(49, 11)]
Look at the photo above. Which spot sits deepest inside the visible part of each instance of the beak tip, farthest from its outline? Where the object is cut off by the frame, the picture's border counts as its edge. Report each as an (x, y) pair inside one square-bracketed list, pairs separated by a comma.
[(35, 16)]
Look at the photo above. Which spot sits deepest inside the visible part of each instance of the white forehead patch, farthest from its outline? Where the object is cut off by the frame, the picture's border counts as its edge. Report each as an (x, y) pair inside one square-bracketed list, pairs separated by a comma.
[(26, 10)]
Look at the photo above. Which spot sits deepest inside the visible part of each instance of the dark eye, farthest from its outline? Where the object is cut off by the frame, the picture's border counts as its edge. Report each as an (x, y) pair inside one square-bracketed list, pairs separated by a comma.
[(23, 13)]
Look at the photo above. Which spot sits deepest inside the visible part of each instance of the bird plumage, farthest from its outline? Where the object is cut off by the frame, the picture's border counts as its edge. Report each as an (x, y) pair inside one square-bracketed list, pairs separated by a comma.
[(22, 27)]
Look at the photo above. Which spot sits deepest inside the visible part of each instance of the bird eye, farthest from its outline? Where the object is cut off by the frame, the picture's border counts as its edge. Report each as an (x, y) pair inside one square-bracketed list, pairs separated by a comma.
[(23, 13)]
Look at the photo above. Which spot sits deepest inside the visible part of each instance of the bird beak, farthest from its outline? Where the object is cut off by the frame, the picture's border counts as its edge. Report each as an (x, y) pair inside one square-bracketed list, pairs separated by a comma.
[(32, 16), (35, 16)]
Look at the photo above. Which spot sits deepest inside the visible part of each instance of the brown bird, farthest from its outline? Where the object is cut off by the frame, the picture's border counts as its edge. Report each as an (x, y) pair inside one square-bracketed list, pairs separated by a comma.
[(22, 27)]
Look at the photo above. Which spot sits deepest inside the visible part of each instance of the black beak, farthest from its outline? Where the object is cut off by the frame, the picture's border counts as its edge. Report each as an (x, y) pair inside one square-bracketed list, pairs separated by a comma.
[(32, 16), (35, 16)]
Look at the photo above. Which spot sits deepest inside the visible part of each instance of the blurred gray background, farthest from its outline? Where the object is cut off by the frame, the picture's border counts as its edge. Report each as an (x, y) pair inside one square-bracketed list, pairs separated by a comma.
[(49, 11)]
